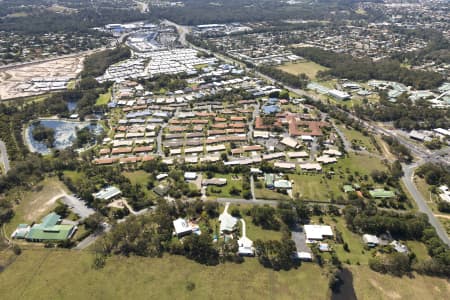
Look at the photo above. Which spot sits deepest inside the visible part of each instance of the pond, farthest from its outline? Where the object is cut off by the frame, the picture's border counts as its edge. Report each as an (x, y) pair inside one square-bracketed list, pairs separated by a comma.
[(346, 290), (65, 134), (71, 106)]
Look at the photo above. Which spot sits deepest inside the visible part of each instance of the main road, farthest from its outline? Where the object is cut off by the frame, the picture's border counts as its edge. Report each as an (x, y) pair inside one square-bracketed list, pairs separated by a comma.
[(408, 180)]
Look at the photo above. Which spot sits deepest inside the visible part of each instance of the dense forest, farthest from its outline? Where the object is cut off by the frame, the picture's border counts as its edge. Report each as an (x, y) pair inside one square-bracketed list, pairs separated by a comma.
[(97, 63), (197, 12), (405, 114), (40, 17), (346, 66), (295, 81)]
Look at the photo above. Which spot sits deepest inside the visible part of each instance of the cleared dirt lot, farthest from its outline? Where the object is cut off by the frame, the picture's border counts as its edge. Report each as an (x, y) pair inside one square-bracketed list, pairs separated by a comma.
[(12, 80)]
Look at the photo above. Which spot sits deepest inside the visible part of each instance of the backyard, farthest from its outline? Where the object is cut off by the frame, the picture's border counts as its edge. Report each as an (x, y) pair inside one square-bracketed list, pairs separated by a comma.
[(233, 182)]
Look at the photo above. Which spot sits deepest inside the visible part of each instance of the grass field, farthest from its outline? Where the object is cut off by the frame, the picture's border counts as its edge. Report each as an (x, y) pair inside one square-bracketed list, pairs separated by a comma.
[(358, 138), (308, 67), (33, 205), (140, 177), (74, 175), (314, 187), (371, 285), (103, 99), (65, 274)]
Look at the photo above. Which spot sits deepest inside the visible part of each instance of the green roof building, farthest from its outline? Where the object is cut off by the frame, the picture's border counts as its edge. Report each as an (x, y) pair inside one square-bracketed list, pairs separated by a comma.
[(348, 188), (50, 230)]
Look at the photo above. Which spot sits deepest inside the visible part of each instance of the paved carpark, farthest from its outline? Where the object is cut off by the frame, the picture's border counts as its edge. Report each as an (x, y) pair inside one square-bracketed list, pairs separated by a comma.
[(299, 238), (78, 206)]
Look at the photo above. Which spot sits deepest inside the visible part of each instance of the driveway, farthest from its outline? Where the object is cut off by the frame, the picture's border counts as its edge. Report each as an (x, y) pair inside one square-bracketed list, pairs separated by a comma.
[(299, 238), (4, 157)]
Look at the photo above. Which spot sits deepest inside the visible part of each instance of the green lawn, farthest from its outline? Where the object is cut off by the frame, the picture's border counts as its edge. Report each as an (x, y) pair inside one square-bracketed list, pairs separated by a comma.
[(137, 177), (308, 67), (71, 84), (200, 66), (225, 190), (74, 175), (419, 249), (355, 244), (103, 99), (65, 274), (314, 187), (142, 178)]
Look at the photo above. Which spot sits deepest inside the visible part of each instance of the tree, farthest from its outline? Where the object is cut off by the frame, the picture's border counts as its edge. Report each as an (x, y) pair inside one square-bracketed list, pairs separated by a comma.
[(62, 210), (200, 249), (93, 222)]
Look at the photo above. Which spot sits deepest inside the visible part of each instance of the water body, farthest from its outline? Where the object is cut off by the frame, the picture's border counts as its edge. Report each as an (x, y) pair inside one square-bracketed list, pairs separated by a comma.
[(71, 106), (65, 134), (346, 290)]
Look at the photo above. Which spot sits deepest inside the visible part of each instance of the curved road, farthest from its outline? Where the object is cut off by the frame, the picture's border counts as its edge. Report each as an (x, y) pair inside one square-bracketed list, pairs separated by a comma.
[(408, 180)]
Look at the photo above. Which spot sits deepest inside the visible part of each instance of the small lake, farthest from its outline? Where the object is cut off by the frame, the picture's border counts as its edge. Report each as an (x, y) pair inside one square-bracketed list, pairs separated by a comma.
[(65, 134)]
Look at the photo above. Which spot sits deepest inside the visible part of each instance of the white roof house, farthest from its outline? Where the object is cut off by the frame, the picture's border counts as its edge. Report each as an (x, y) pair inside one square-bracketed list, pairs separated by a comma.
[(244, 243), (182, 227), (161, 176), (290, 142), (311, 167), (190, 175), (227, 221), (445, 193), (304, 256), (317, 232), (245, 246), (370, 240)]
